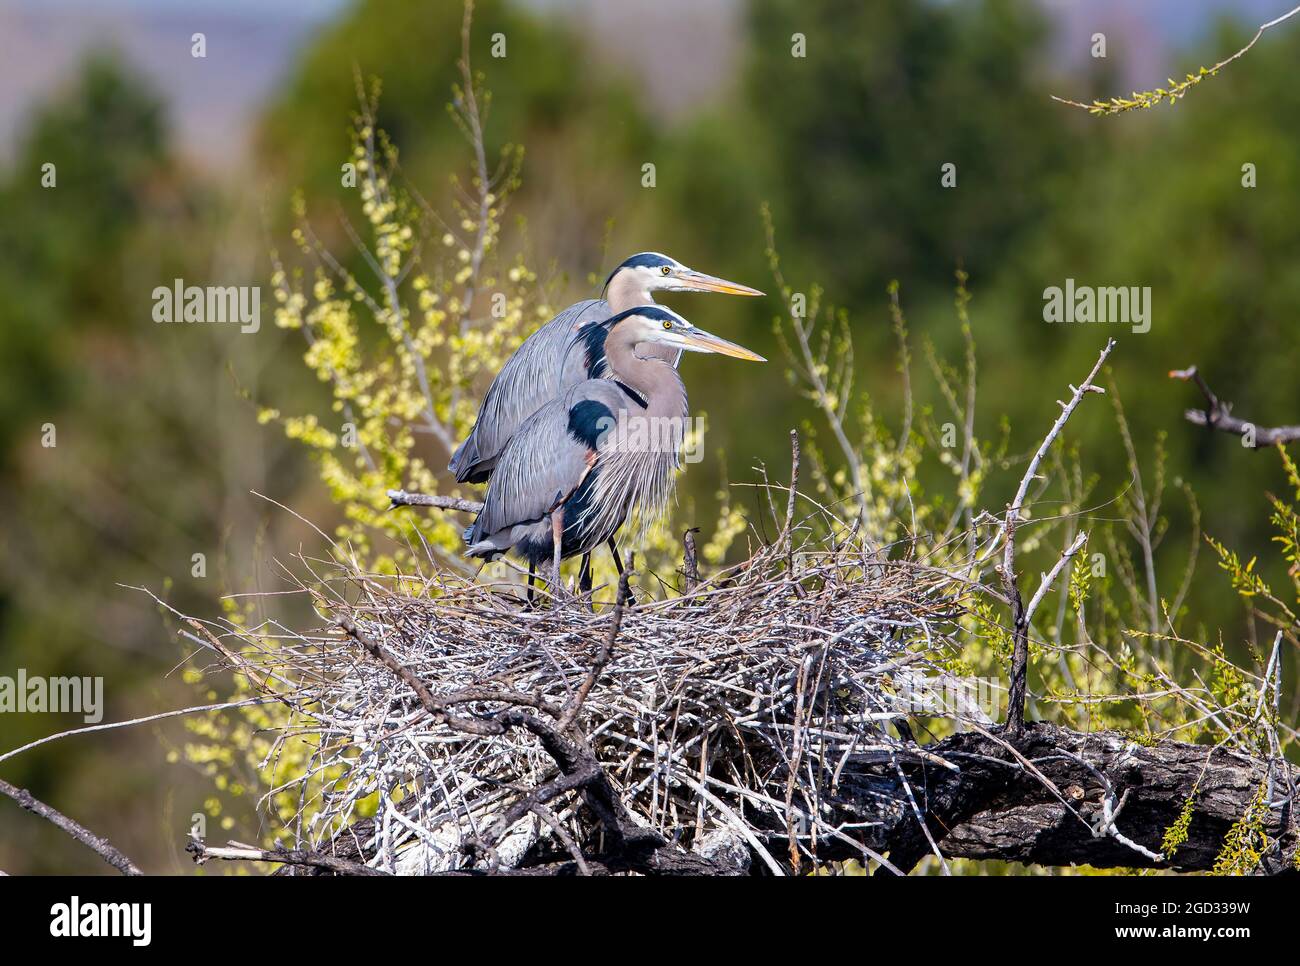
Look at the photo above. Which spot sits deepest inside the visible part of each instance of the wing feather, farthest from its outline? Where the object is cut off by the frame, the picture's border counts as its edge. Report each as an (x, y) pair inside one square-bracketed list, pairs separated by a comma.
[(543, 463), (538, 372)]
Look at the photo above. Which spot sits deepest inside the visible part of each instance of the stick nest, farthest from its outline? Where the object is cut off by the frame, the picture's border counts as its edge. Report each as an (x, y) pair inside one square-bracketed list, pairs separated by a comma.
[(729, 719)]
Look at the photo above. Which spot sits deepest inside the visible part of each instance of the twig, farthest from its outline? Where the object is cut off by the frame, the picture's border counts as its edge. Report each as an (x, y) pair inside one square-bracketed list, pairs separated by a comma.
[(100, 845), (794, 479), (1050, 577), (811, 367), (1118, 105), (405, 498), (1268, 676), (246, 853), (787, 531), (561, 833), (1218, 415), (1019, 621), (146, 719), (690, 562)]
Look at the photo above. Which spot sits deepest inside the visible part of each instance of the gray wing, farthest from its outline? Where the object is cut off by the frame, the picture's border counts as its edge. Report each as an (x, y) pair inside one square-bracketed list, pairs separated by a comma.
[(539, 371), (545, 461)]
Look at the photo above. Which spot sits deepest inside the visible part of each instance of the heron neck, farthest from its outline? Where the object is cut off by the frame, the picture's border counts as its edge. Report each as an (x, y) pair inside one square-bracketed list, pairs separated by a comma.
[(653, 378), (626, 291)]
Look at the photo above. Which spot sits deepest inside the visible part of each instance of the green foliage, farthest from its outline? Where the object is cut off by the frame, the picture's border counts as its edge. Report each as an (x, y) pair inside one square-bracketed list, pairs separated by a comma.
[(405, 347), (1141, 100), (856, 176), (1246, 842), (1176, 834), (1080, 584)]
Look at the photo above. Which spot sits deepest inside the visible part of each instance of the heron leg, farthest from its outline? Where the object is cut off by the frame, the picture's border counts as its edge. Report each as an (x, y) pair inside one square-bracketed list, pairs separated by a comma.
[(557, 537), (584, 574), (618, 565), (532, 582)]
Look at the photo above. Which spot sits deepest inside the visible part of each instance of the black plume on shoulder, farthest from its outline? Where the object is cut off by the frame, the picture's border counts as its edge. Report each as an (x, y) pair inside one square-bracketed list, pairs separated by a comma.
[(589, 420)]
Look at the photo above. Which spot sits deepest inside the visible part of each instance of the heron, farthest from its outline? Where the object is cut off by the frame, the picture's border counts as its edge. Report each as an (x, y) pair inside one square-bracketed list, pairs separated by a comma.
[(569, 477), (544, 366)]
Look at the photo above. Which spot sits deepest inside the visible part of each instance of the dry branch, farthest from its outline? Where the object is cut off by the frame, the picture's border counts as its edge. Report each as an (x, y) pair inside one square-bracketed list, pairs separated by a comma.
[(1020, 615), (300, 857), (1217, 414), (404, 498), (100, 845)]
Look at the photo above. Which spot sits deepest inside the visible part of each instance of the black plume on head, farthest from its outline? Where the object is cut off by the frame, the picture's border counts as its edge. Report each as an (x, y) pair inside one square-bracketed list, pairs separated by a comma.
[(640, 260), (594, 337), (655, 312)]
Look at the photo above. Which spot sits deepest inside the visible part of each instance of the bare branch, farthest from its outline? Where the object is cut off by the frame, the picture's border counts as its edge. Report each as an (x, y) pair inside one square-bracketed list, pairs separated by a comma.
[(690, 561), (1050, 577), (1019, 618), (1217, 414), (100, 845), (405, 498), (247, 853)]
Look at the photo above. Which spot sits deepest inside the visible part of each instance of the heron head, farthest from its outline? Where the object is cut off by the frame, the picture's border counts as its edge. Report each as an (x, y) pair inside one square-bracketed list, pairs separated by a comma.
[(653, 272), (656, 324)]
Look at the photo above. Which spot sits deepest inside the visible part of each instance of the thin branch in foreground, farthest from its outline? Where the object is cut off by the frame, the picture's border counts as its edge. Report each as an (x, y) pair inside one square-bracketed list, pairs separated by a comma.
[(146, 719), (690, 560), (97, 843), (1050, 577), (246, 853), (406, 498), (1217, 414), (1020, 616)]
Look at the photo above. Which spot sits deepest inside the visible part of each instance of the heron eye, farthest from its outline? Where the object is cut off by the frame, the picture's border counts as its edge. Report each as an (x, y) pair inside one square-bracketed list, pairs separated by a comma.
[(666, 269), (668, 324)]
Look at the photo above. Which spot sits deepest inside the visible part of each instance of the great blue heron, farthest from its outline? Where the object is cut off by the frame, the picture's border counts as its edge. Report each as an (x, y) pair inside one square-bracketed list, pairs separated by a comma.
[(604, 450), (543, 367)]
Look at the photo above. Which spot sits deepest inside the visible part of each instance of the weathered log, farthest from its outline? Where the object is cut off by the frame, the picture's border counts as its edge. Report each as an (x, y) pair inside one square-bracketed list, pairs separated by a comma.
[(1043, 800)]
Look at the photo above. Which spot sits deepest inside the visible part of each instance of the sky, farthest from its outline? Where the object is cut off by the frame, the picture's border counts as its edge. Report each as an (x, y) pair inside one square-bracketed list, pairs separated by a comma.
[(41, 42)]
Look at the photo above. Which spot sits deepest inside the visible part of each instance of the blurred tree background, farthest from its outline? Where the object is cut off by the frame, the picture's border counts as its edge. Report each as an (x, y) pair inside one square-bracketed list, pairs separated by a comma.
[(157, 451)]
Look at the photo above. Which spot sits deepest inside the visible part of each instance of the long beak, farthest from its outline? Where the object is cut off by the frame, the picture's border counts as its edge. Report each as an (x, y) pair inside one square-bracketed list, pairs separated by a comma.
[(693, 281), (697, 340)]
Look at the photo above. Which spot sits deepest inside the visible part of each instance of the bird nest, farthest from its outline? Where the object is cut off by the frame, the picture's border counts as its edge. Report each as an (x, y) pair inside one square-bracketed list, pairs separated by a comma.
[(455, 728)]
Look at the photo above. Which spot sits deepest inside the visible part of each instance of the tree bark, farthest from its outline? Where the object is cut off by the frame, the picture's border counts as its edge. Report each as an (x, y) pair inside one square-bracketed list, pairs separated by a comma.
[(996, 807)]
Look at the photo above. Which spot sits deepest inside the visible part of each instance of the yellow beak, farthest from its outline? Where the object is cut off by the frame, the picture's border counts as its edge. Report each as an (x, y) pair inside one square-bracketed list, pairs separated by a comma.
[(700, 341), (693, 281)]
